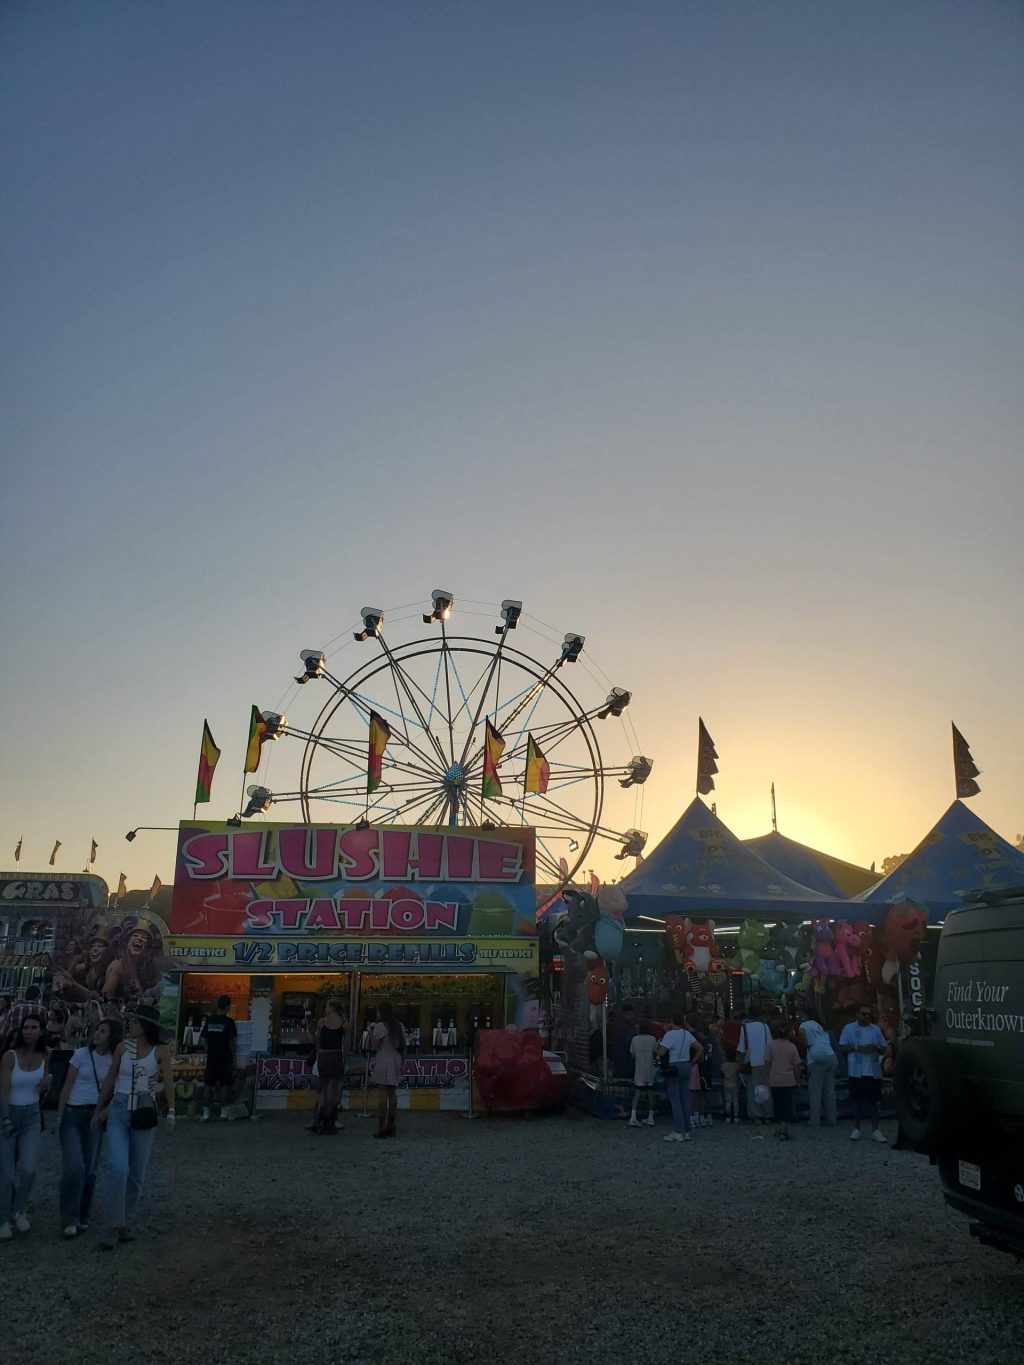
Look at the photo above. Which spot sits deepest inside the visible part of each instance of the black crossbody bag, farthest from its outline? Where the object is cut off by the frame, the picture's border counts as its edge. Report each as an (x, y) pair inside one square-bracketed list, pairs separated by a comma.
[(144, 1117)]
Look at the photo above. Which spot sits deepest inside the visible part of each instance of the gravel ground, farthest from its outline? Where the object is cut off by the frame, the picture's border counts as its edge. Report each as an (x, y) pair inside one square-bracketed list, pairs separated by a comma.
[(553, 1238)]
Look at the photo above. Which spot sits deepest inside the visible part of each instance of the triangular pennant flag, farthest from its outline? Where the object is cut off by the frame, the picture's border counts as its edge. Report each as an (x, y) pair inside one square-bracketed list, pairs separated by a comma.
[(157, 883), (963, 767), (380, 733), (53, 855), (494, 747), (122, 886), (258, 734), (208, 756), (706, 755), (538, 770), (93, 851), (17, 852)]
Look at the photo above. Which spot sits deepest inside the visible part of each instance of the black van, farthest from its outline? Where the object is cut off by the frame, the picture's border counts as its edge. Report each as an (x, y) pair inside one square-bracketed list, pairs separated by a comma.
[(960, 1089)]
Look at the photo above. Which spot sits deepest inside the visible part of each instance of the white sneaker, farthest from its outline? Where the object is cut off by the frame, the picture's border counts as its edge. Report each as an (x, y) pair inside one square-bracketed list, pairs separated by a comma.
[(671, 1137), (708, 1121), (634, 1122), (22, 1223), (879, 1136), (684, 1137), (649, 1120), (6, 1232), (206, 1116), (71, 1230), (855, 1135)]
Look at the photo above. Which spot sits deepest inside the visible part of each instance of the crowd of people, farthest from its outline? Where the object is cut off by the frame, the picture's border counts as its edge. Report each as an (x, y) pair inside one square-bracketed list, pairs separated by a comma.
[(115, 1064), (759, 1064), (113, 1060)]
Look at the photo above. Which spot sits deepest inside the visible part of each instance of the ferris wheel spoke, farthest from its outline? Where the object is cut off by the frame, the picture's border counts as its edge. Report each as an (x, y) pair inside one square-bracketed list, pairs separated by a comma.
[(552, 811), (494, 665), (408, 684), (445, 655)]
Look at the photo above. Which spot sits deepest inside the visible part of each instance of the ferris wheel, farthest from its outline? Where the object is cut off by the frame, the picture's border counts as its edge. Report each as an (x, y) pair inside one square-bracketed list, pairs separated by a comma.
[(463, 714)]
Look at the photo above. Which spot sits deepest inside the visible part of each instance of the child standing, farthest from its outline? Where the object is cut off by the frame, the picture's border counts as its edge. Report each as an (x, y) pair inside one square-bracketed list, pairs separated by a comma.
[(783, 1061), (731, 1086), (642, 1048)]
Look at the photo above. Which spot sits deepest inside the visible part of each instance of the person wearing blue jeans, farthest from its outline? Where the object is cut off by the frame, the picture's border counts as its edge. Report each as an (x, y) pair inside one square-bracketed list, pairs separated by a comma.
[(140, 1064), (80, 1139), (24, 1076), (678, 1050)]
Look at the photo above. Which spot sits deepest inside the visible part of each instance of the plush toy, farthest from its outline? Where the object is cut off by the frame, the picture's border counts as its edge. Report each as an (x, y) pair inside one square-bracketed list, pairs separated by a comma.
[(772, 976), (576, 929), (824, 952), (700, 951), (847, 950), (904, 931), (597, 978), (787, 945), (675, 928), (865, 934), (752, 939)]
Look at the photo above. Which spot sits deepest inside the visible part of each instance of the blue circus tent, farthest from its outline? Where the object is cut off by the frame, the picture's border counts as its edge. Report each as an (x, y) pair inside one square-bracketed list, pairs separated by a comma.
[(796, 861), (960, 854), (700, 868)]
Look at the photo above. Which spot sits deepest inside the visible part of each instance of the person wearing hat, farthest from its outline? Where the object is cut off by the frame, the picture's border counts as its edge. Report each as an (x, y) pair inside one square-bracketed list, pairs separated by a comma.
[(128, 1109)]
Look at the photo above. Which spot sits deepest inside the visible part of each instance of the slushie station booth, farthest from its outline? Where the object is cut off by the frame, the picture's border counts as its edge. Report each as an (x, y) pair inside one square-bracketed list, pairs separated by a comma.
[(282, 918)]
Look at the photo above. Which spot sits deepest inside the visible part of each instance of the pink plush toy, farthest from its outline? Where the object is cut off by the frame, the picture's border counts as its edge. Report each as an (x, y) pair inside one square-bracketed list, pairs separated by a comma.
[(847, 950), (824, 952)]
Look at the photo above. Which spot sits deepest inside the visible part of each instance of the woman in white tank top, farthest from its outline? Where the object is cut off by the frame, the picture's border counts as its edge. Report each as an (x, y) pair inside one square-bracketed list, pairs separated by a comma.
[(128, 1108), (24, 1076)]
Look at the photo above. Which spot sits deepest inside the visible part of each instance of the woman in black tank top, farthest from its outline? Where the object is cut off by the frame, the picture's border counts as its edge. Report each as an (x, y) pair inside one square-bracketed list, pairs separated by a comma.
[(330, 1063)]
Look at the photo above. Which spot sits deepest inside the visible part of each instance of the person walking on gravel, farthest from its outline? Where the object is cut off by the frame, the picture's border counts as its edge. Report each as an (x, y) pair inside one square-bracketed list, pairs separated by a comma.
[(643, 1048), (678, 1050), (220, 1034), (821, 1072), (79, 1140), (864, 1044), (24, 1077), (387, 1043), (128, 1109)]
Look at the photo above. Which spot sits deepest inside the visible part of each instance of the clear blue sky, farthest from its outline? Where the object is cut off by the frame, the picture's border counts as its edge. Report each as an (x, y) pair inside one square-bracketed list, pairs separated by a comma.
[(695, 325)]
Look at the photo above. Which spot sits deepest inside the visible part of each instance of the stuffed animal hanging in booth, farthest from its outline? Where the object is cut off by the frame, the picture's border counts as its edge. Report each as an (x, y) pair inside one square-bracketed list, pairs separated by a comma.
[(847, 950), (824, 953), (700, 951)]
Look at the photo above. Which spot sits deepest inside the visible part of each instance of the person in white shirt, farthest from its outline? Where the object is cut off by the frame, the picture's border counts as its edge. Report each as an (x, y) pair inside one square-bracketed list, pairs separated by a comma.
[(755, 1039), (643, 1049), (79, 1141), (821, 1072), (864, 1044), (678, 1049)]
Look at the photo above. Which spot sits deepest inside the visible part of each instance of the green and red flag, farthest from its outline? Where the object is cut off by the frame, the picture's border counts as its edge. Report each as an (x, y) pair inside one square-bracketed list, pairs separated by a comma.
[(538, 770), (208, 756), (494, 747), (258, 734), (380, 733)]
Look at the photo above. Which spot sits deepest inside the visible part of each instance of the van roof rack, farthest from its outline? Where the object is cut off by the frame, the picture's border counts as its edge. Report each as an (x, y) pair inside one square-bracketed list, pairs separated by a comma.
[(992, 896)]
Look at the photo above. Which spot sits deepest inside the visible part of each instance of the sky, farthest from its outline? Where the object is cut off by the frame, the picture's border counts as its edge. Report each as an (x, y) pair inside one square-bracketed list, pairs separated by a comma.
[(696, 326)]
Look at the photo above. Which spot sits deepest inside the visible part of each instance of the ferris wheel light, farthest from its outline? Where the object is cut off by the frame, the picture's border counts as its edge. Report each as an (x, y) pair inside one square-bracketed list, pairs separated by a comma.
[(615, 703), (572, 648), (638, 771), (276, 724), (260, 800), (373, 619), (313, 661), (442, 601), (510, 614), (634, 842)]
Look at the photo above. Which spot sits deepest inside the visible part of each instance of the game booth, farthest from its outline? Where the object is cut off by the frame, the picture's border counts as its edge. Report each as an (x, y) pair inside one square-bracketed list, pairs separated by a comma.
[(707, 925), (282, 918)]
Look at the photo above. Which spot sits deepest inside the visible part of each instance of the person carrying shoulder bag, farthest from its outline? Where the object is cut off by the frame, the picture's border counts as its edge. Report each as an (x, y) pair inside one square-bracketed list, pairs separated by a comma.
[(128, 1109), (755, 1039), (80, 1139)]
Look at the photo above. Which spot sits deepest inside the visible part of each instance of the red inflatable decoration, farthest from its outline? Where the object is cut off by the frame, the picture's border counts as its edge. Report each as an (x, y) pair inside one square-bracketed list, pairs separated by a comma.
[(513, 1071)]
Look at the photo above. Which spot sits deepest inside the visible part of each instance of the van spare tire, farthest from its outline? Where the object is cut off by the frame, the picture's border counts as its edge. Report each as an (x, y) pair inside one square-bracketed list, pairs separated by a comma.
[(930, 1095)]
